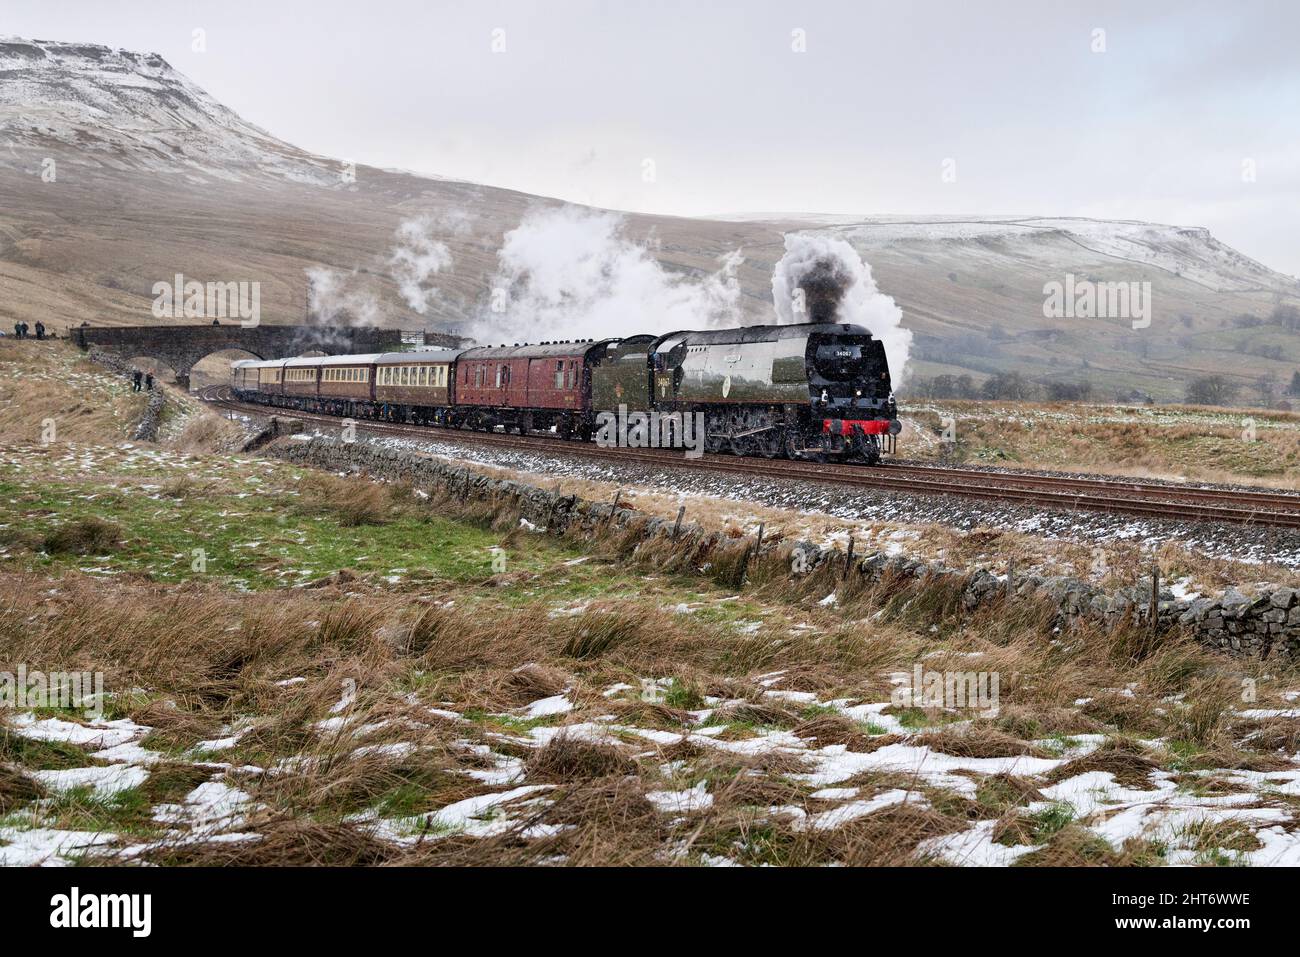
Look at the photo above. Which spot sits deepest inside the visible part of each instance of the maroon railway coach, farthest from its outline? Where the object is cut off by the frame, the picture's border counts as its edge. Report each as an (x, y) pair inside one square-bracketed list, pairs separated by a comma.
[(527, 388)]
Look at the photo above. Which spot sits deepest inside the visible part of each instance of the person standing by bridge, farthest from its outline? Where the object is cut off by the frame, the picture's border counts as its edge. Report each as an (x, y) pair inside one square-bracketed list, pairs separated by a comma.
[(136, 376)]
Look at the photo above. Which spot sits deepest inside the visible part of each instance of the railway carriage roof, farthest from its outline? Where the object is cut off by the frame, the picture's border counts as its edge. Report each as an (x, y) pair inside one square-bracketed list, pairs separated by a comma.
[(258, 363), (553, 350), (363, 360), (423, 355)]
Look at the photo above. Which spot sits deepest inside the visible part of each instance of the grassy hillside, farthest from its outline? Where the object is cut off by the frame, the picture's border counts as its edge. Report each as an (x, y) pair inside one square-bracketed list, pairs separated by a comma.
[(303, 668), (1254, 446)]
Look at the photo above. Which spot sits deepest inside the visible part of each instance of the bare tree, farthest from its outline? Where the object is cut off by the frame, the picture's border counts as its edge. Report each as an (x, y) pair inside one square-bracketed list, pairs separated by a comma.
[(1212, 390)]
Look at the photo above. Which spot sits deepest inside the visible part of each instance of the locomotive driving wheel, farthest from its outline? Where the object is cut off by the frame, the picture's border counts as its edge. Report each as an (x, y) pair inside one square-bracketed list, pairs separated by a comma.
[(770, 443)]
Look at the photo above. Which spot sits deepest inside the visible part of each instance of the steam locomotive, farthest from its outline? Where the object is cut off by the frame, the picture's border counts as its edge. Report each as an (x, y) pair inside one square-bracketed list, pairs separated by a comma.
[(818, 390)]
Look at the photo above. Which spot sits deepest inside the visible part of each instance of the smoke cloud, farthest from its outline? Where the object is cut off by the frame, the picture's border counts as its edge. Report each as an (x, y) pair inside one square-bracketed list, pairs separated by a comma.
[(570, 273), (823, 279), (337, 298), (420, 256)]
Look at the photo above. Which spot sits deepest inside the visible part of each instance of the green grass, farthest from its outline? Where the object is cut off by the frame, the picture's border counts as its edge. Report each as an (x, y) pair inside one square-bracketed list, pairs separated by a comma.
[(80, 809), (684, 696), (915, 719), (508, 722), (1050, 820), (253, 539), (39, 755)]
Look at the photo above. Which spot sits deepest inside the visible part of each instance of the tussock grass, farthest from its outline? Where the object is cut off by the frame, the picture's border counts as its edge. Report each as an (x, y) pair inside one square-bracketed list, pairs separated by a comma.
[(16, 789), (84, 536), (283, 842), (1128, 761), (372, 662), (1171, 441), (828, 729), (978, 740), (565, 758), (350, 503)]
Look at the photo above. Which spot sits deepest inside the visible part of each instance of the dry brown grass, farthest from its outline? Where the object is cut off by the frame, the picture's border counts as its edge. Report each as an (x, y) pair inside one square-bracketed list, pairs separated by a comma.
[(565, 759), (351, 503), (84, 536), (282, 842), (211, 658), (16, 788), (1128, 761), (978, 740), (1202, 443), (50, 382)]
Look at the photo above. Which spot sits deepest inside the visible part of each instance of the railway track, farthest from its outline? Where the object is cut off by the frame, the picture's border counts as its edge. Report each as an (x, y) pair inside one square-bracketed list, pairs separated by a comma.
[(1115, 496)]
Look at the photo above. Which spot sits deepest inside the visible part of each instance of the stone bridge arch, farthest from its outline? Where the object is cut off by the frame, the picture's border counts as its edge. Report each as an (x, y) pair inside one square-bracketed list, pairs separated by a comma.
[(214, 367), (182, 346)]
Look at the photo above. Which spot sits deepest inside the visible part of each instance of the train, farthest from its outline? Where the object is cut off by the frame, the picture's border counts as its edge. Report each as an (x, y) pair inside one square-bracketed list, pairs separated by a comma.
[(817, 391)]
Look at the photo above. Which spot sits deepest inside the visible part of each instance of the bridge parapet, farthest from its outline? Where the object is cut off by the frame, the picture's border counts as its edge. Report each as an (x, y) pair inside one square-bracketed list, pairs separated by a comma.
[(182, 346)]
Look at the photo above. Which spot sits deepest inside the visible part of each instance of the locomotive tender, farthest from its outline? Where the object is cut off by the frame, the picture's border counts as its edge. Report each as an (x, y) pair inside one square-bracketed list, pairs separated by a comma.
[(813, 390)]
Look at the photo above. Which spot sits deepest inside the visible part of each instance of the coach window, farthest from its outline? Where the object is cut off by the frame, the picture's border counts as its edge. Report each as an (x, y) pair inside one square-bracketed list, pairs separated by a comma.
[(559, 374)]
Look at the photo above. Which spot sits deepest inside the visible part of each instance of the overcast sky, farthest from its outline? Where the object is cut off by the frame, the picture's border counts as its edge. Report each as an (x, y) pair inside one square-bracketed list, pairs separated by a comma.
[(1159, 126)]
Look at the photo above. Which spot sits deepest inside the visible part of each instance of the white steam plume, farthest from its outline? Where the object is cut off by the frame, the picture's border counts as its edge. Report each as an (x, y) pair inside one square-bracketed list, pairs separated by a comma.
[(570, 273), (419, 257), (822, 278), (335, 299)]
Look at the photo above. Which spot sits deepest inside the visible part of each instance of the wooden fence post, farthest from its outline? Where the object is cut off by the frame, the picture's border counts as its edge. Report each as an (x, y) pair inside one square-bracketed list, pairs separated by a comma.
[(750, 551), (848, 558), (1155, 597), (677, 525)]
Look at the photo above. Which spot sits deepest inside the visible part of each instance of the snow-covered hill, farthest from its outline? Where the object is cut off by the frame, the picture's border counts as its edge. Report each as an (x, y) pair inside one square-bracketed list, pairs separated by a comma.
[(156, 177), (122, 109), (1189, 252)]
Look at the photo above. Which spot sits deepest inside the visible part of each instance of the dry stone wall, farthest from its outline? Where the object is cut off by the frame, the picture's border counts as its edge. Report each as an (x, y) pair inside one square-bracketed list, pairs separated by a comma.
[(1264, 625)]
